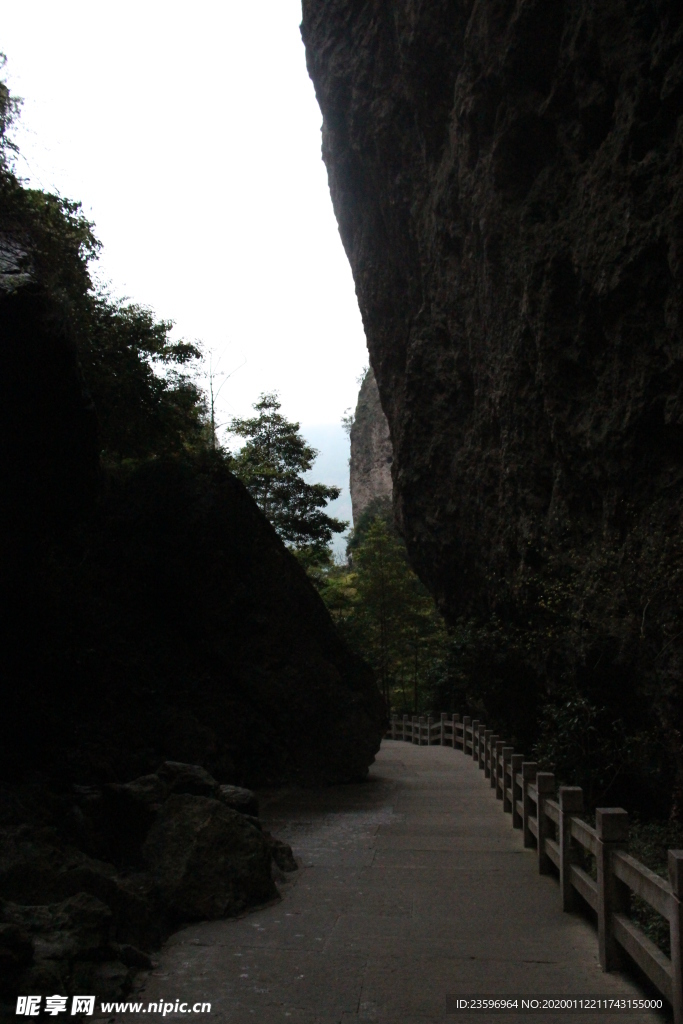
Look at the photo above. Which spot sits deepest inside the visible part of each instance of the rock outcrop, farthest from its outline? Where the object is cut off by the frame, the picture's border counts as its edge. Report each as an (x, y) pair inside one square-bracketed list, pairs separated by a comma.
[(70, 921), (208, 861), (507, 178), (153, 613), (371, 451)]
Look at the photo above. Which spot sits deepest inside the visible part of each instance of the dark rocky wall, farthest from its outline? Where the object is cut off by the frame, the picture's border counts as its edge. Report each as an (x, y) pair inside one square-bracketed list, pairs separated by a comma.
[(152, 613), (507, 177)]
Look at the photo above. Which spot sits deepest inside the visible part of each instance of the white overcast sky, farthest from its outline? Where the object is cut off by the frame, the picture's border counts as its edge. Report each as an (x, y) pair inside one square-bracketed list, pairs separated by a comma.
[(191, 134)]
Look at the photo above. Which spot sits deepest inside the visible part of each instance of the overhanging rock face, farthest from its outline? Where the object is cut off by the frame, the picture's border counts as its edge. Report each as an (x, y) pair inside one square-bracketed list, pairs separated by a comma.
[(507, 182)]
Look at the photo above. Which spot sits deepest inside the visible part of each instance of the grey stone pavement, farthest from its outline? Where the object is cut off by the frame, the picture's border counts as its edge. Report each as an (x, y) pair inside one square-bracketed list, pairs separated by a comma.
[(411, 886)]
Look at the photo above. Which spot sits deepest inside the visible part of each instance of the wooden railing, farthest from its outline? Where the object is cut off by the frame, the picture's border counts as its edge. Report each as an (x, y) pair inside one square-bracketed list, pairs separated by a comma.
[(564, 841)]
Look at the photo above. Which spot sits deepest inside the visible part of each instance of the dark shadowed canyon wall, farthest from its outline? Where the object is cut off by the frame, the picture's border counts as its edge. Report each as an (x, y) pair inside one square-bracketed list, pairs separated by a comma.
[(154, 626), (371, 453), (507, 180), (151, 612)]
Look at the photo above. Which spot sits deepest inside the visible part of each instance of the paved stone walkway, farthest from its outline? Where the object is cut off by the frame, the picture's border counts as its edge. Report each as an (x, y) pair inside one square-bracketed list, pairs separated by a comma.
[(411, 886)]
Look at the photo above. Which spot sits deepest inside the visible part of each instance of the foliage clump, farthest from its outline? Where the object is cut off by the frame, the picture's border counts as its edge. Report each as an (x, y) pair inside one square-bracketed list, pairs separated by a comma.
[(385, 613), (148, 405), (574, 662), (271, 464)]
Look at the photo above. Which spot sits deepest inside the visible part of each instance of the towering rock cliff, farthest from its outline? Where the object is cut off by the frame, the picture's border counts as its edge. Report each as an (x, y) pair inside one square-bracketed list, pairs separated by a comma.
[(507, 178), (371, 452), (152, 612)]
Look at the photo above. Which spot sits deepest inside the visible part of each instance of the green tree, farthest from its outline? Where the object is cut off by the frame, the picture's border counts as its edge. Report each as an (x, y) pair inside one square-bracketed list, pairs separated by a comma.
[(271, 465), (377, 508), (396, 617), (147, 403), (386, 614)]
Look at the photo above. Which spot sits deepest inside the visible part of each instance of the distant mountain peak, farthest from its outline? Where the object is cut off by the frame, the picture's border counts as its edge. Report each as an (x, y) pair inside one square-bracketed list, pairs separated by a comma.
[(371, 449)]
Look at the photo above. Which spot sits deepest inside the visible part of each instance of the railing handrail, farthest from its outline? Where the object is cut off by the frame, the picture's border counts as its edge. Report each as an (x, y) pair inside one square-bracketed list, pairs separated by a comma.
[(554, 827)]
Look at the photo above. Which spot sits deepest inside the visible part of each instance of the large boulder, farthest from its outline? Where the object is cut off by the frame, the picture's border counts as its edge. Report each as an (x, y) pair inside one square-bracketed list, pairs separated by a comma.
[(71, 922), (208, 860), (37, 868), (191, 779), (151, 612), (71, 949), (78, 928), (243, 669), (179, 628), (239, 799)]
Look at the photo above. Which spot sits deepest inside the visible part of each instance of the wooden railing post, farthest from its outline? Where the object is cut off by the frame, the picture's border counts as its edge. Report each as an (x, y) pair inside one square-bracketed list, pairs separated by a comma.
[(393, 727), (420, 729), (499, 753), (492, 760), (429, 731), (456, 721), (516, 762), (611, 825), (545, 787), (475, 739), (443, 728), (481, 745), (529, 769), (466, 723), (415, 733), (487, 753), (507, 756), (571, 803), (676, 931), (405, 723)]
